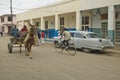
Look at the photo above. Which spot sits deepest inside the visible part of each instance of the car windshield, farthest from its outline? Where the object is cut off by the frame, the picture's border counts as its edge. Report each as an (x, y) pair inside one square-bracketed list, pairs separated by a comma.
[(92, 35), (72, 34)]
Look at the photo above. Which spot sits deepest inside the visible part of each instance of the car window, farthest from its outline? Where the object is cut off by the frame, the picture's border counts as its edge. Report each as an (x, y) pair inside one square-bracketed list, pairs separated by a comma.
[(81, 36), (92, 35), (78, 35), (72, 34)]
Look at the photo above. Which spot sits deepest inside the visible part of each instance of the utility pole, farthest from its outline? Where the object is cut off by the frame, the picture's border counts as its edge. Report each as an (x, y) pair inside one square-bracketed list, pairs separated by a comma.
[(11, 13)]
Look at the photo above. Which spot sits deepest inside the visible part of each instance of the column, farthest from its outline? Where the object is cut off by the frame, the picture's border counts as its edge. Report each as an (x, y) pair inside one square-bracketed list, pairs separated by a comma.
[(19, 24), (22, 23), (31, 22), (56, 25), (42, 23), (78, 20), (111, 22)]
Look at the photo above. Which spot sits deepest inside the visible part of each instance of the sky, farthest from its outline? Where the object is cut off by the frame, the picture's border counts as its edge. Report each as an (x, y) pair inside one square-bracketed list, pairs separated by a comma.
[(22, 5)]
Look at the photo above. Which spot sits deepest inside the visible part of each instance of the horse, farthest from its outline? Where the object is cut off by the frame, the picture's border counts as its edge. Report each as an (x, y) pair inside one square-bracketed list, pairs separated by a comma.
[(30, 41)]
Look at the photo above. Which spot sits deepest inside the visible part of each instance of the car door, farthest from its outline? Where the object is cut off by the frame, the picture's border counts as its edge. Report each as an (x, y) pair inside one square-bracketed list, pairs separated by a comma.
[(74, 38), (78, 40), (81, 40)]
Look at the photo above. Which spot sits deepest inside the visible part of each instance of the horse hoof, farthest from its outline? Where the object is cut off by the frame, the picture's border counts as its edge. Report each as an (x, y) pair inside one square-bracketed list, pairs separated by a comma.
[(30, 57), (26, 54)]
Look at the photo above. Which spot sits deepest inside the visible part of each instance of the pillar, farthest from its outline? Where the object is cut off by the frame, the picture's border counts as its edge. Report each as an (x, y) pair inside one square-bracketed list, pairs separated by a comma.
[(42, 23), (56, 25), (111, 22), (78, 20)]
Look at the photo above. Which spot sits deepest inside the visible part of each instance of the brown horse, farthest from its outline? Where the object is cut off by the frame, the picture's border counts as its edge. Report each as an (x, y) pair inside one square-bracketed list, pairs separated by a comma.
[(30, 41)]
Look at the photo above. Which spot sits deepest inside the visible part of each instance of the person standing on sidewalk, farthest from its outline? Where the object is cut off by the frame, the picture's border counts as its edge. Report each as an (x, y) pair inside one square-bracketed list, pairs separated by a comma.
[(1, 32), (42, 36), (39, 36)]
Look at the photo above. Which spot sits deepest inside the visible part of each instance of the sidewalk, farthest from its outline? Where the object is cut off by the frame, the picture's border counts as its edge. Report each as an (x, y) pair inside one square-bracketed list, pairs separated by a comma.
[(49, 40)]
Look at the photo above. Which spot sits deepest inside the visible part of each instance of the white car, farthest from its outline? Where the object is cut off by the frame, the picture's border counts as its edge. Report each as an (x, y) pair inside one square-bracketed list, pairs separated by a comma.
[(88, 41)]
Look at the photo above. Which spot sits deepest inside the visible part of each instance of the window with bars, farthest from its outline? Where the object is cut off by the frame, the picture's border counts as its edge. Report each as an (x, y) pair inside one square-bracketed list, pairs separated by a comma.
[(61, 24), (117, 32), (85, 23), (104, 29)]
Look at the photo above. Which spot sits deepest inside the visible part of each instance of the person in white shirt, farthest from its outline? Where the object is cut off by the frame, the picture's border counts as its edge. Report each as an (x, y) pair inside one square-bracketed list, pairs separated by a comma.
[(67, 37)]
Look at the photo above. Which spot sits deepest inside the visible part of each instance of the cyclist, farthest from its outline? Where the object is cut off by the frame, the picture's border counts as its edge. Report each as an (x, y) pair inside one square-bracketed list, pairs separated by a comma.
[(66, 36)]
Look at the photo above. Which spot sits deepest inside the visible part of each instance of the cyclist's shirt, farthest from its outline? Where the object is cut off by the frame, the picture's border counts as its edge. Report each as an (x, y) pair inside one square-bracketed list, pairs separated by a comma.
[(67, 35)]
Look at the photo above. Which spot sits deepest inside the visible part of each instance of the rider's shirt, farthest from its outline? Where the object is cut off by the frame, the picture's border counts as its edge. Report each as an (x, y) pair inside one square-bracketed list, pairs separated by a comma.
[(24, 29), (67, 35)]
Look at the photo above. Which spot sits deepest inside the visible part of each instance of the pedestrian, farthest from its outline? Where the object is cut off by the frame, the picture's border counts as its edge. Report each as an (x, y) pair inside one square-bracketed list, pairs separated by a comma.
[(1, 32), (39, 36), (42, 36)]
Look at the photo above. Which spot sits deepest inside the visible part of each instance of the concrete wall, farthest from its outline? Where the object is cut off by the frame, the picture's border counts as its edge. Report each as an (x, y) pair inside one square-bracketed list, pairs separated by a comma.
[(70, 20)]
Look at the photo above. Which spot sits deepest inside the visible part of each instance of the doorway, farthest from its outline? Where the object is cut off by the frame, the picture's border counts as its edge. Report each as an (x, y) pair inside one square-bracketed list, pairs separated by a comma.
[(61, 24), (46, 29)]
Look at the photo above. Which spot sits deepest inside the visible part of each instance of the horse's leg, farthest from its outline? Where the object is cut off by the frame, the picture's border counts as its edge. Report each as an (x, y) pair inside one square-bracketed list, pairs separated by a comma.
[(30, 54), (26, 50)]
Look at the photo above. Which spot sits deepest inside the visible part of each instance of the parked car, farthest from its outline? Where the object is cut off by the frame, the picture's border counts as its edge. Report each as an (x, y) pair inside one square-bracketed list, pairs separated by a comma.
[(88, 41)]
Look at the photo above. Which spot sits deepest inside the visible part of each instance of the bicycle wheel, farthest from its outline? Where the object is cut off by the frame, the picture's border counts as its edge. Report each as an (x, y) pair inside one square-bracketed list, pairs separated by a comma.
[(58, 47), (72, 49)]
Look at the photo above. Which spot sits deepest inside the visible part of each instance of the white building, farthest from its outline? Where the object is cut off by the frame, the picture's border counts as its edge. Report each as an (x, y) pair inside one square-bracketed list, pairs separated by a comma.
[(100, 16), (6, 22)]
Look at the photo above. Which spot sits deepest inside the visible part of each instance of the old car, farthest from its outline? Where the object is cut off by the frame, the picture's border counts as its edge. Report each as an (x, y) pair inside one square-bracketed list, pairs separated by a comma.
[(88, 41)]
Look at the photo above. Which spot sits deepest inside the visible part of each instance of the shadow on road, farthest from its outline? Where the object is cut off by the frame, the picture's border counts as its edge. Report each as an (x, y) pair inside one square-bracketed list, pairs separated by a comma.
[(111, 52)]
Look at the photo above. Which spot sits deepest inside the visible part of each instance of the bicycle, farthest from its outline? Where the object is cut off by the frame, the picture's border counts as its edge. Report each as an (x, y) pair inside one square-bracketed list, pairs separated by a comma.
[(60, 47)]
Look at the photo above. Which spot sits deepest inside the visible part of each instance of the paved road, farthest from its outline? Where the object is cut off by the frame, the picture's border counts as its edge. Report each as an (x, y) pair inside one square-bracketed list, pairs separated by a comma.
[(49, 65)]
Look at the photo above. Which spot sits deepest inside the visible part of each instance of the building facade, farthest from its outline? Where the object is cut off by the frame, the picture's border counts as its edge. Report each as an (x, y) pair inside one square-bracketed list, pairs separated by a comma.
[(6, 22), (99, 16)]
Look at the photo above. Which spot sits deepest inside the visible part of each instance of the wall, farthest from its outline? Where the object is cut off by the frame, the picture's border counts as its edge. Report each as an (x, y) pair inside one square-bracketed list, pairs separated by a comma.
[(91, 4), (59, 8)]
